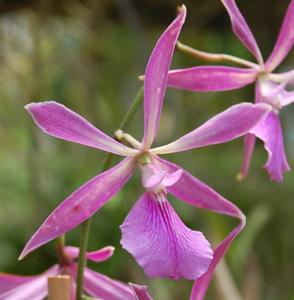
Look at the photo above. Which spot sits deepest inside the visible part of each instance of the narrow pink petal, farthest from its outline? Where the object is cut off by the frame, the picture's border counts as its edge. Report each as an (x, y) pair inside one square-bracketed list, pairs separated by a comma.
[(100, 255), (57, 120), (161, 243), (201, 285), (80, 205), (270, 132), (226, 126), (156, 77), (211, 78), (96, 256), (105, 288), (285, 40), (35, 289), (141, 292), (194, 192), (241, 29), (249, 141), (10, 281), (249, 144)]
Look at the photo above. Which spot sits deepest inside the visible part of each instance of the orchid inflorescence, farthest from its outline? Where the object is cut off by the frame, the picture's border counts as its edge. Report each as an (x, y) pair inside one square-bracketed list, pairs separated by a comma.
[(270, 87), (152, 231)]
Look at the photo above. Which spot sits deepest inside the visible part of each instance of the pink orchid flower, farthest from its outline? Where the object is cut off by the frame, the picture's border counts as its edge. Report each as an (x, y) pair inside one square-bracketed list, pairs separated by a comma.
[(270, 87), (152, 232), (14, 287)]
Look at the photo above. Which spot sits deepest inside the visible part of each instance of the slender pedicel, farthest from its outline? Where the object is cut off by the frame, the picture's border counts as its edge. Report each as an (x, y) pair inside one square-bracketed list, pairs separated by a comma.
[(215, 57)]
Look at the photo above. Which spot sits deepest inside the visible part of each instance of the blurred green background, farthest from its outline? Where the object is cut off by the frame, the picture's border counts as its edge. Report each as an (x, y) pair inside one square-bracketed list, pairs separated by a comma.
[(87, 55)]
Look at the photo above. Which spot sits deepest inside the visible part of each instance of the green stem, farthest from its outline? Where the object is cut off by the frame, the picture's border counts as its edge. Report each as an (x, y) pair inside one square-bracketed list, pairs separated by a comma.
[(125, 123), (86, 226)]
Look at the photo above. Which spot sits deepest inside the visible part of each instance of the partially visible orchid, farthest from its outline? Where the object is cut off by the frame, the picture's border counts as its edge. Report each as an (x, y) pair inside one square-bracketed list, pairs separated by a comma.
[(270, 87), (152, 232), (141, 292), (13, 287)]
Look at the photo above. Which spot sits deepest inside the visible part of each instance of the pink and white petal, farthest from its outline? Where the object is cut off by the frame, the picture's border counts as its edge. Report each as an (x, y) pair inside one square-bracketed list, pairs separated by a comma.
[(242, 30), (105, 288), (287, 98), (224, 127), (194, 192), (270, 132), (161, 243), (100, 255), (156, 77), (140, 292), (57, 120), (35, 289), (249, 144), (285, 40), (10, 281), (211, 78), (172, 178), (95, 256), (153, 180), (82, 204)]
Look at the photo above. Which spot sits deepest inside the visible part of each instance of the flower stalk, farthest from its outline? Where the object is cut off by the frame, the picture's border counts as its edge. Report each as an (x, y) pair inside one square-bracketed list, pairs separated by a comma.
[(86, 226), (214, 57), (61, 256)]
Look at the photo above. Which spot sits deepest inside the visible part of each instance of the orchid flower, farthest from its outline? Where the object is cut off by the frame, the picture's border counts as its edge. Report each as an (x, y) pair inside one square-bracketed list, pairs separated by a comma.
[(14, 287), (270, 87), (152, 232)]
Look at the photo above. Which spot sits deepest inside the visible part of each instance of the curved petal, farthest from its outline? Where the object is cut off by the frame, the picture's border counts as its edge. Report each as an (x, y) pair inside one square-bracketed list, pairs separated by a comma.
[(156, 77), (103, 287), (101, 254), (80, 205), (140, 292), (249, 141), (211, 78), (226, 126), (285, 40), (200, 286), (249, 144), (194, 192), (161, 243), (241, 29), (270, 132), (57, 120), (34, 289), (95, 256)]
